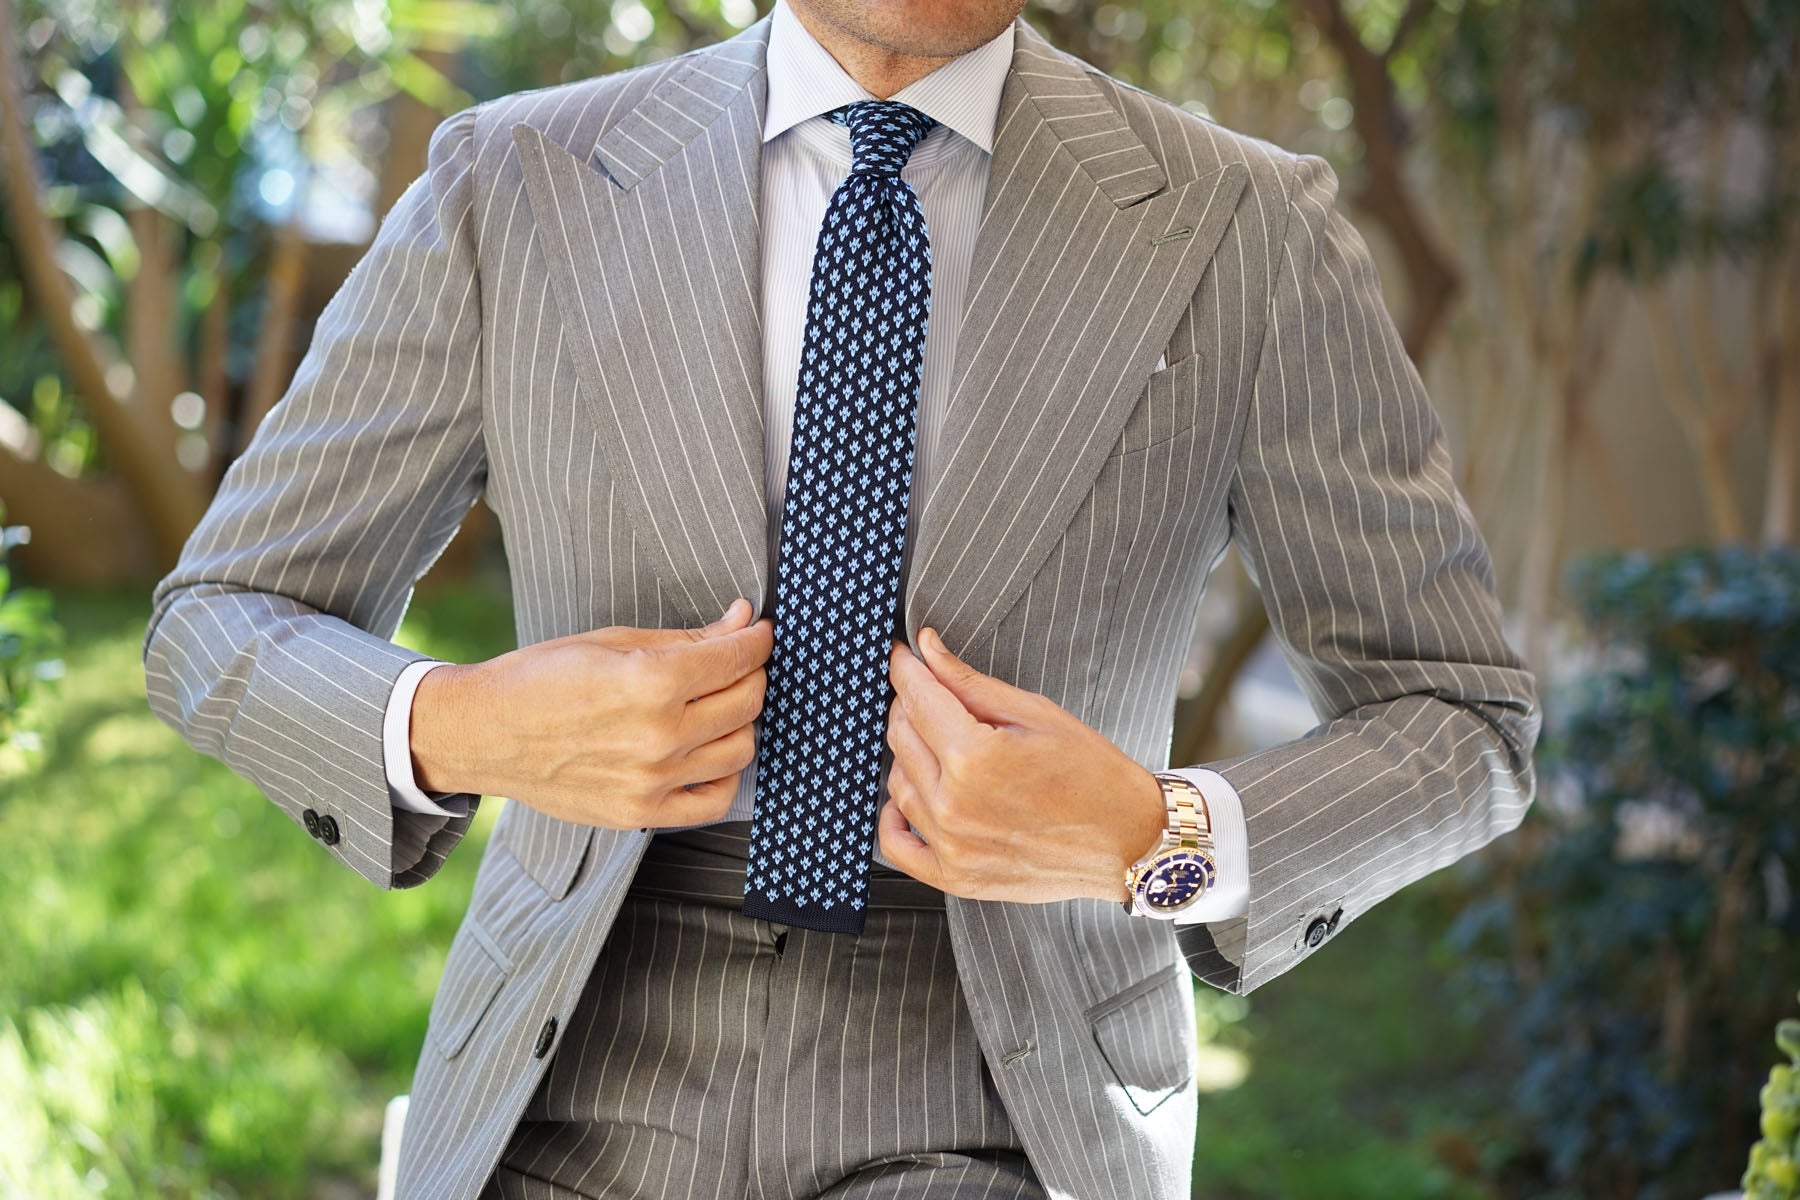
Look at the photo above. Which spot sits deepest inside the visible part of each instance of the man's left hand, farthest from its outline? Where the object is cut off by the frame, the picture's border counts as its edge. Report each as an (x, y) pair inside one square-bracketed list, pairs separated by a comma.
[(1013, 797)]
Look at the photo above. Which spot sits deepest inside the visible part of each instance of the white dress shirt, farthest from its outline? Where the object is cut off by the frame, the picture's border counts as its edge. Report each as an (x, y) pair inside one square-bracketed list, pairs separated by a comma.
[(804, 159)]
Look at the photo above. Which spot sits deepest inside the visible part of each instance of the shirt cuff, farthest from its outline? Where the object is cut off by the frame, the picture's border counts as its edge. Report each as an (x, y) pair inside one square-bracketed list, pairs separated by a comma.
[(1229, 895), (396, 750)]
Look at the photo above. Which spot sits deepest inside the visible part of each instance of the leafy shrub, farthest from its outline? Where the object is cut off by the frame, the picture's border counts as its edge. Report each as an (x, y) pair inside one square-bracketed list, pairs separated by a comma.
[(28, 637), (1774, 1170), (196, 1001), (1635, 961)]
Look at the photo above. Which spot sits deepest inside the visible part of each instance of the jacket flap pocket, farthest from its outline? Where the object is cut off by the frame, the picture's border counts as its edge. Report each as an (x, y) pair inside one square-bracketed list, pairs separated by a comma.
[(551, 851), (473, 975), (1144, 1033)]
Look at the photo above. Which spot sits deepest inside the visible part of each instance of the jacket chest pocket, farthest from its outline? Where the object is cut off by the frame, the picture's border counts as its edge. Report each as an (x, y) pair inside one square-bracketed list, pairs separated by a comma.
[(1146, 1035), (1168, 406)]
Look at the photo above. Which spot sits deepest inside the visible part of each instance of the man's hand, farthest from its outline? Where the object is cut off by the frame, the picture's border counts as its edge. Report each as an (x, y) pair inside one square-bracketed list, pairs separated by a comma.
[(1014, 797), (619, 727)]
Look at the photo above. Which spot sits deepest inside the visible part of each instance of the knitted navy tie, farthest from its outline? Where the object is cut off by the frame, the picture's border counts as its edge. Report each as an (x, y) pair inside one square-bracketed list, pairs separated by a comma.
[(843, 525)]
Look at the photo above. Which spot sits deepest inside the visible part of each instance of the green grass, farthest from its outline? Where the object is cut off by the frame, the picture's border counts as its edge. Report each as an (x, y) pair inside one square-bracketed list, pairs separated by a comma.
[(1363, 1082), (197, 1001)]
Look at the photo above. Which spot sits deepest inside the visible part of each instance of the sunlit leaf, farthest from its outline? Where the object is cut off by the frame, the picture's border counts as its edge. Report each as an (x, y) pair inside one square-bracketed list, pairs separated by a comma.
[(109, 137), (113, 235), (427, 84), (447, 24), (226, 64)]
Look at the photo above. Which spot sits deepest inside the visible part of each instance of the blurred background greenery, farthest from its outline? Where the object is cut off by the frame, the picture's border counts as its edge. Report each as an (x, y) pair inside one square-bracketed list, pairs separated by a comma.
[(1585, 212)]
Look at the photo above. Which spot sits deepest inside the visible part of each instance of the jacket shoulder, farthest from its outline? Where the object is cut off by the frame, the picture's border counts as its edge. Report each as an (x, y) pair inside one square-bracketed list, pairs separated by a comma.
[(573, 114), (1190, 145)]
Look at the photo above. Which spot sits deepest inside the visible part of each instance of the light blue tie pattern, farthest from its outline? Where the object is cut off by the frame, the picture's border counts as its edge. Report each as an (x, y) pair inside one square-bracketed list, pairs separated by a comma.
[(843, 527)]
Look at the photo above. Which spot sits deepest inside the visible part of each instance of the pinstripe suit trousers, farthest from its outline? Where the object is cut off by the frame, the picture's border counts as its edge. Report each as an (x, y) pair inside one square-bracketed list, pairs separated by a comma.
[(715, 1056)]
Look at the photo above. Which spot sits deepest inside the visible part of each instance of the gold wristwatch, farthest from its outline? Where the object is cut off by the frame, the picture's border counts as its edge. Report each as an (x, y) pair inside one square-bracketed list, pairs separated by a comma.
[(1180, 868)]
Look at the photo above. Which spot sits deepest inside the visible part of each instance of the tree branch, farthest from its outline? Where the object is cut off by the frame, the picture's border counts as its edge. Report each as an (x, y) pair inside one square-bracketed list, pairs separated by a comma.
[(1433, 282), (171, 498), (1197, 724), (1710, 451), (1781, 501), (274, 338), (1409, 23), (89, 365)]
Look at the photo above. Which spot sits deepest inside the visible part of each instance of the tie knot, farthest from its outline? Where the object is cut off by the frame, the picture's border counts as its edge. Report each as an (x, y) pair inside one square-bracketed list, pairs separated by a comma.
[(882, 134)]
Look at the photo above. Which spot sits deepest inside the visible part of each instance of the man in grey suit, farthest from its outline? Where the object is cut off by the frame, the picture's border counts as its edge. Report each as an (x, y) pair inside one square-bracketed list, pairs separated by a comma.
[(1149, 336)]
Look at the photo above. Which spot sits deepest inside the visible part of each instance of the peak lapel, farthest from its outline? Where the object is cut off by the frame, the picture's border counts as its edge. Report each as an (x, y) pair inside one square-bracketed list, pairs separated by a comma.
[(1084, 260), (653, 242)]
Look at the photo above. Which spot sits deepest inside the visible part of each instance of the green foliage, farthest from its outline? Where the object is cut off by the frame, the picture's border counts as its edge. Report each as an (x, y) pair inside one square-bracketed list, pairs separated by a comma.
[(1634, 962), (31, 377), (556, 41), (29, 636), (1773, 1172), (1362, 1082), (207, 111), (1647, 89), (198, 1001)]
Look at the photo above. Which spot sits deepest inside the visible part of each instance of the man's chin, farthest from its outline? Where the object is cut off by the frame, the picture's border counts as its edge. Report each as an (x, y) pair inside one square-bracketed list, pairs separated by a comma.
[(918, 28)]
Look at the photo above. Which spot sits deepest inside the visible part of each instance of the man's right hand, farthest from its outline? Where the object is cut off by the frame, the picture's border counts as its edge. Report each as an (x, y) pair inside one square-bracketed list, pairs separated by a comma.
[(620, 727)]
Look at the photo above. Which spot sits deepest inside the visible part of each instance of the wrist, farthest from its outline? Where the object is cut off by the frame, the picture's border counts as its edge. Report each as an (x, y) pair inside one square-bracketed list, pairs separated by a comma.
[(438, 733), (1145, 818)]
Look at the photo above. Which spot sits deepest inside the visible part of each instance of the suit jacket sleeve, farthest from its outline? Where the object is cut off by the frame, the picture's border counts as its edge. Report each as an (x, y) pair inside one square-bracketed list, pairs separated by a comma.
[(1380, 590), (268, 646)]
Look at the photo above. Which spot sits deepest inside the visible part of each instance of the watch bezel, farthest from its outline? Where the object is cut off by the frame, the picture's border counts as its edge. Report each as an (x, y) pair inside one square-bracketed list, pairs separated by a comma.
[(1159, 867)]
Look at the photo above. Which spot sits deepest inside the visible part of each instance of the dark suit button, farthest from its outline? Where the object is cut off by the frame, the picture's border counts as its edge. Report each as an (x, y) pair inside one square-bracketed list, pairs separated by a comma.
[(546, 1035), (328, 830), (1331, 925), (1315, 933), (311, 820)]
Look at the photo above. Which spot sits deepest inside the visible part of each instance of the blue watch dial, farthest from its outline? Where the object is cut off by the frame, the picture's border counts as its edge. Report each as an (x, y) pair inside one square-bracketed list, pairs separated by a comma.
[(1178, 878)]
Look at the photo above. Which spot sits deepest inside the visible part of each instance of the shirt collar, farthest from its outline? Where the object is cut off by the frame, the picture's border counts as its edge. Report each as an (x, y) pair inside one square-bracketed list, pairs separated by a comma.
[(805, 81)]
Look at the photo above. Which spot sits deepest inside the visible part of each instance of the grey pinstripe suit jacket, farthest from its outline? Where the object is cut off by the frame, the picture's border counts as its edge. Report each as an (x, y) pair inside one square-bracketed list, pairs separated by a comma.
[(561, 314)]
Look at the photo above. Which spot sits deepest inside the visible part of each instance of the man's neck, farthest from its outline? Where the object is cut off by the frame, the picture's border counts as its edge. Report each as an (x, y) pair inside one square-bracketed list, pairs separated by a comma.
[(880, 71)]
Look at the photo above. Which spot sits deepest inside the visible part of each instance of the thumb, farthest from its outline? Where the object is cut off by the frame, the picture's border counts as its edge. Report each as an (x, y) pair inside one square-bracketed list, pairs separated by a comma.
[(986, 698), (632, 637), (735, 618)]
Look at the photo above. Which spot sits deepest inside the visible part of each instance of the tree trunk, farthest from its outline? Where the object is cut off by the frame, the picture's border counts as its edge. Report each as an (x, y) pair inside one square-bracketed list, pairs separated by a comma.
[(1707, 435), (275, 336), (1432, 281), (1781, 501), (1609, 489), (1196, 737), (83, 532), (1541, 569), (169, 498), (212, 378), (1596, 328), (152, 332)]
